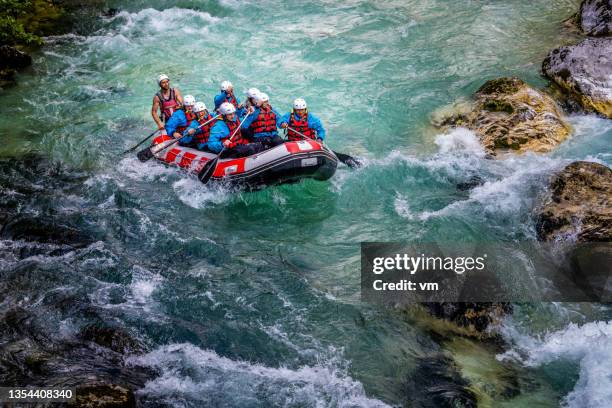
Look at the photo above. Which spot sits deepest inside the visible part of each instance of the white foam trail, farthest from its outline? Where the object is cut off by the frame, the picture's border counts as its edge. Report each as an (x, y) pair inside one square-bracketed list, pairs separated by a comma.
[(189, 372), (195, 194), (589, 344), (460, 140)]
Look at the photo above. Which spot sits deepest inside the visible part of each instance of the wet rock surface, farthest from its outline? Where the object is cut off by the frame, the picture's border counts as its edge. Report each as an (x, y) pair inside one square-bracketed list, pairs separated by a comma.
[(584, 71), (509, 115), (104, 396), (437, 382), (579, 205), (595, 17)]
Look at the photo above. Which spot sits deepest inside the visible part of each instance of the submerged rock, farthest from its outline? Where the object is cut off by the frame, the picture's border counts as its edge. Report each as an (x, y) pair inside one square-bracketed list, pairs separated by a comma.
[(104, 396), (475, 317), (509, 115), (579, 205), (437, 382), (584, 71), (595, 17), (112, 338)]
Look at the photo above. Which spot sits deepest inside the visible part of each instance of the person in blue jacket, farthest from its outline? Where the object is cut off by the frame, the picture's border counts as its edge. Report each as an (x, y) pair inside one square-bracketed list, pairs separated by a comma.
[(198, 131), (302, 121), (263, 121), (227, 95), (180, 119), (226, 127)]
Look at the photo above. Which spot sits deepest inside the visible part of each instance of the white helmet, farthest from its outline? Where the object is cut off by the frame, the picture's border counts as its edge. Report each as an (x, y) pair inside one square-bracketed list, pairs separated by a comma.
[(252, 92), (199, 107), (261, 98), (162, 77), (225, 85), (226, 108), (299, 103), (189, 100)]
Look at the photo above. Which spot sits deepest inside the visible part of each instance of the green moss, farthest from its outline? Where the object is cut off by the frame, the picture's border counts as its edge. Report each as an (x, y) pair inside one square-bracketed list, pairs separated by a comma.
[(501, 86), (497, 105)]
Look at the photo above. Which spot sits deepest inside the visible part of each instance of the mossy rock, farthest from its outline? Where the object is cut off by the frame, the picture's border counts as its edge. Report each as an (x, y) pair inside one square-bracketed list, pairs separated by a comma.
[(509, 115)]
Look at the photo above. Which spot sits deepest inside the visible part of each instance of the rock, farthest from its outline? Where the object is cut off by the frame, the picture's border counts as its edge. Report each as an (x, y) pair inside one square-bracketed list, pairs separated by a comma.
[(584, 71), (11, 57), (579, 205), (113, 338), (104, 396), (509, 115), (437, 382), (475, 317), (595, 17)]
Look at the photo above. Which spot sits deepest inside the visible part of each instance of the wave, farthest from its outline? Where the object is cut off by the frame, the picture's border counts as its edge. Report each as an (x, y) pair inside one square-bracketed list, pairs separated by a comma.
[(590, 345), (193, 374)]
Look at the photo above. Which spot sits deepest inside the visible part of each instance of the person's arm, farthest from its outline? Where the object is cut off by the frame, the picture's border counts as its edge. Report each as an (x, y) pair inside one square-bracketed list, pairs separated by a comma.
[(285, 120), (218, 132), (176, 120), (218, 100), (154, 114), (191, 130), (247, 122), (179, 97), (315, 123), (279, 118)]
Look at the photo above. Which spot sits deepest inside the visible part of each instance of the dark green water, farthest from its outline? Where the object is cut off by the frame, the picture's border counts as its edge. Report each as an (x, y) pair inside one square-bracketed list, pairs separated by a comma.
[(252, 299)]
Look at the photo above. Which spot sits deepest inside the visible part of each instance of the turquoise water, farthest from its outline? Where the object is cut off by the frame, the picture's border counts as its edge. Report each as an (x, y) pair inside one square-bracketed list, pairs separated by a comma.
[(252, 299)]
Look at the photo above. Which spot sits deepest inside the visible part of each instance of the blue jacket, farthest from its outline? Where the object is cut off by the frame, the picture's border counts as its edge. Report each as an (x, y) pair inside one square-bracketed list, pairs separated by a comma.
[(247, 123), (313, 123), (222, 97), (194, 124), (218, 133), (177, 119)]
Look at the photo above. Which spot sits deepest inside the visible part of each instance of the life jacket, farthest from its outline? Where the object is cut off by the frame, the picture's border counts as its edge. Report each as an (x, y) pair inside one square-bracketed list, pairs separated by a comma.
[(238, 139), (231, 99), (168, 106), (301, 126), (189, 115), (204, 134), (265, 121)]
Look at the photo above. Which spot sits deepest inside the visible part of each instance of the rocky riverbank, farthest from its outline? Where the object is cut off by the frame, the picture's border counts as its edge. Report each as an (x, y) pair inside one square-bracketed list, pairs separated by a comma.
[(24, 23), (510, 116)]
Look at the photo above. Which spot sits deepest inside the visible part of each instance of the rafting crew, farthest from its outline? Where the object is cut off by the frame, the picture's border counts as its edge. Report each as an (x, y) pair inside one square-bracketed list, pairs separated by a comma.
[(302, 121), (226, 135), (165, 102), (181, 118), (198, 131), (263, 121)]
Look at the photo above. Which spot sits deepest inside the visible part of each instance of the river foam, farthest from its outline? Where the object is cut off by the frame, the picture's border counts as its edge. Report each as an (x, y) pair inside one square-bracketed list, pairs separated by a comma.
[(189, 373)]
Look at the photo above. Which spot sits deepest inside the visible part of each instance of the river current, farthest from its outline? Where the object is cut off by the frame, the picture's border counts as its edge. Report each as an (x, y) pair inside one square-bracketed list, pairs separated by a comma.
[(252, 299)]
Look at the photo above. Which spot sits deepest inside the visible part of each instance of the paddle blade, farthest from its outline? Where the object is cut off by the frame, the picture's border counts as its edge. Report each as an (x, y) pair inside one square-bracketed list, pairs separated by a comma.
[(350, 161), (144, 154), (208, 170)]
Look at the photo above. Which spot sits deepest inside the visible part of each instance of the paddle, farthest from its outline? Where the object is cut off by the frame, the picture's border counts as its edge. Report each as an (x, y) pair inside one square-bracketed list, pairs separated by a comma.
[(148, 153), (344, 158), (130, 150), (206, 172)]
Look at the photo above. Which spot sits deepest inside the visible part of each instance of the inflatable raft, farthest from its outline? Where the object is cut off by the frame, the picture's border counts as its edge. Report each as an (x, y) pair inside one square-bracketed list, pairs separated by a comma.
[(286, 163)]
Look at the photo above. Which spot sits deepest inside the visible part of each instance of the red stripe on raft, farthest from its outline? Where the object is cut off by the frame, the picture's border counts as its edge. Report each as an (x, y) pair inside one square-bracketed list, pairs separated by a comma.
[(187, 159), (220, 171), (302, 146), (171, 156)]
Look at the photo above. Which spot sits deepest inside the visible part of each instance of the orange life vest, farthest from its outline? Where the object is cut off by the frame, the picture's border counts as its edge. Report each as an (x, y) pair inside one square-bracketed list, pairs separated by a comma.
[(265, 121), (301, 126), (204, 134)]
